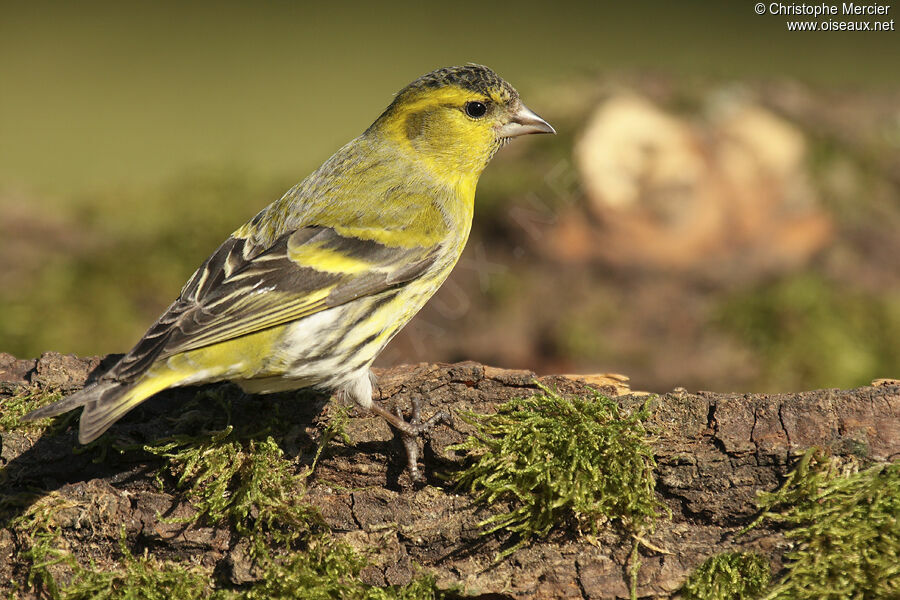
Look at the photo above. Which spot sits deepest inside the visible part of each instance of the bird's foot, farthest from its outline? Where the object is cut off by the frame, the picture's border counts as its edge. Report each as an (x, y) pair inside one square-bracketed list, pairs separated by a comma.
[(411, 430)]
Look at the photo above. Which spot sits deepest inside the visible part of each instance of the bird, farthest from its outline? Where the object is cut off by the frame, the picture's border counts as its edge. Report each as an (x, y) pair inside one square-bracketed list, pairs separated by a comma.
[(310, 290)]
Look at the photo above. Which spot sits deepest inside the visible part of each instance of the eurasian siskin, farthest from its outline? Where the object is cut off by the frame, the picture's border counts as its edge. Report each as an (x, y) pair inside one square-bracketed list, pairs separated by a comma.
[(310, 291)]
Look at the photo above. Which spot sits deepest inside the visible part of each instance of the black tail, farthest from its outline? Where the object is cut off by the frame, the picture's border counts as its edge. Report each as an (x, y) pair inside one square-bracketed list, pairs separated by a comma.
[(105, 402)]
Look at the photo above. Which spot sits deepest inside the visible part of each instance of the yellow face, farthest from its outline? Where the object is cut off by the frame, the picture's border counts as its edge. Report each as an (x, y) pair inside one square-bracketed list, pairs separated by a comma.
[(450, 128), (455, 119)]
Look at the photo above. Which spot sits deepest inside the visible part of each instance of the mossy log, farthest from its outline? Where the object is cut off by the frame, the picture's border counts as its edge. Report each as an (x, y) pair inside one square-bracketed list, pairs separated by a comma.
[(714, 453)]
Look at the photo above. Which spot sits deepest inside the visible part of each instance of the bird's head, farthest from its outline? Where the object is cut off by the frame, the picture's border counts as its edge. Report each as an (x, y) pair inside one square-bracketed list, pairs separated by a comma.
[(454, 119)]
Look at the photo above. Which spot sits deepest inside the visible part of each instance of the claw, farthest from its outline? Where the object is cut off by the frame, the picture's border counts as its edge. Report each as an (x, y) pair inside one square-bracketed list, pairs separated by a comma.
[(411, 430)]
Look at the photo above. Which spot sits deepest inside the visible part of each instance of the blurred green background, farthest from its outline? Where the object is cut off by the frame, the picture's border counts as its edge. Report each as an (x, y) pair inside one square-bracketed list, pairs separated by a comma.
[(135, 136)]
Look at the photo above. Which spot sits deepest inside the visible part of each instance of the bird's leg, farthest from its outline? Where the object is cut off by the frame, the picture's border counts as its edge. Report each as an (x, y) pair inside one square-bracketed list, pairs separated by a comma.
[(411, 430), (361, 390)]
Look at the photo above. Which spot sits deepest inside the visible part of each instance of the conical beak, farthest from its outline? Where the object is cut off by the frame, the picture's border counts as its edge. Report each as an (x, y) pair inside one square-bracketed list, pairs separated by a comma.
[(523, 122)]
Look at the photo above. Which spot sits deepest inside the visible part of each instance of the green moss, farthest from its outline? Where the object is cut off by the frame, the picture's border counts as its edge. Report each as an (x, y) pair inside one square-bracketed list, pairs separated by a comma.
[(322, 569), (39, 515), (728, 576), (231, 476), (247, 483), (327, 569), (12, 409), (335, 428), (42, 554), (556, 459), (809, 331), (38, 535), (244, 479), (139, 578), (421, 588), (240, 475), (845, 530)]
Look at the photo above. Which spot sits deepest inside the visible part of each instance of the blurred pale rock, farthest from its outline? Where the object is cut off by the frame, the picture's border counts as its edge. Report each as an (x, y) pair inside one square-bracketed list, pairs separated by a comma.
[(630, 147), (725, 193)]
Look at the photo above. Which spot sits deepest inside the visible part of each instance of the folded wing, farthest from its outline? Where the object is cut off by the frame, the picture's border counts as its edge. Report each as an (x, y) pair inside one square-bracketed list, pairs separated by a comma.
[(237, 291)]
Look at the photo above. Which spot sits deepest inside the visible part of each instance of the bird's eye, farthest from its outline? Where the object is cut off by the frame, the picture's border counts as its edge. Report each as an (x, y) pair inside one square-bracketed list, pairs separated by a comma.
[(475, 109)]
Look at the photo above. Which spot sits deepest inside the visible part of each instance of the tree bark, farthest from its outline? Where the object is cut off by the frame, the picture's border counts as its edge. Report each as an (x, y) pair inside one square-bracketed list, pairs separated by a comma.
[(714, 453)]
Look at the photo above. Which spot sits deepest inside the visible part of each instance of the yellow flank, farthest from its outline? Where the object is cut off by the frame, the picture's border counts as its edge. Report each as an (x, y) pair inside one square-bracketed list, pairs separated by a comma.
[(382, 322), (240, 357), (326, 259)]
